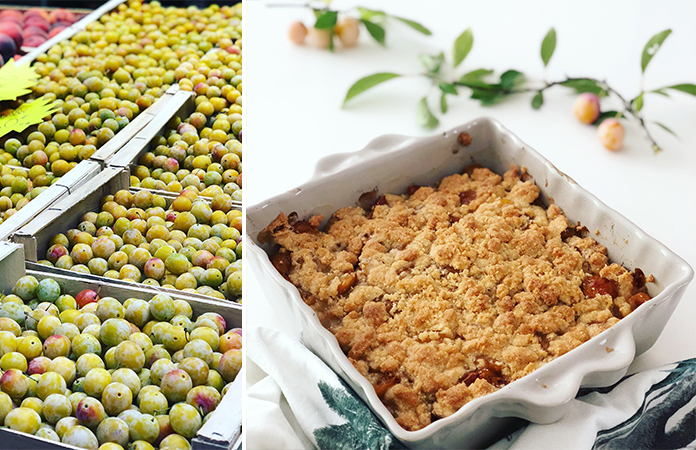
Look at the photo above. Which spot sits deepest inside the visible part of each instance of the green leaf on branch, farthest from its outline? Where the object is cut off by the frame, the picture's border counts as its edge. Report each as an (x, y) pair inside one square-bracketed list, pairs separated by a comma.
[(660, 91), (423, 115), (664, 127), (481, 85), (688, 88), (369, 14), (538, 100), (548, 46), (432, 63), (376, 31), (368, 82), (327, 20), (487, 97), (607, 115), (581, 85), (415, 25), (652, 47), (462, 46), (447, 88), (443, 103), (476, 75), (510, 79), (475, 79), (637, 103), (489, 93)]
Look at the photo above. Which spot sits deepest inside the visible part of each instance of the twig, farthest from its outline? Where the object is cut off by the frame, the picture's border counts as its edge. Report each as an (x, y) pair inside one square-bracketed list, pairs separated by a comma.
[(627, 107)]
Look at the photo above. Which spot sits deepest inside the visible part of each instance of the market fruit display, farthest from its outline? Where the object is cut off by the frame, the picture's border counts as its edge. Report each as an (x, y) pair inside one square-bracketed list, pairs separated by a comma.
[(71, 375), (188, 243), (108, 74), (199, 153)]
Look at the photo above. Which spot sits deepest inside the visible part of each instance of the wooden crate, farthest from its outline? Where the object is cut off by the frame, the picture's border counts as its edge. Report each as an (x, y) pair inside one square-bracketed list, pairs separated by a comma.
[(81, 174), (221, 431), (182, 105), (36, 235), (170, 100)]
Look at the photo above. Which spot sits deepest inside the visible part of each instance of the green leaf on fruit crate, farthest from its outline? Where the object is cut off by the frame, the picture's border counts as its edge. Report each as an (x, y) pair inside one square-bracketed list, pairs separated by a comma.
[(652, 47), (368, 82), (447, 88), (15, 81), (664, 127), (423, 115), (687, 87), (548, 46), (462, 46), (369, 14), (607, 115), (26, 115), (538, 100), (375, 30), (581, 85), (327, 20), (510, 79), (443, 103), (415, 25), (637, 103), (432, 63)]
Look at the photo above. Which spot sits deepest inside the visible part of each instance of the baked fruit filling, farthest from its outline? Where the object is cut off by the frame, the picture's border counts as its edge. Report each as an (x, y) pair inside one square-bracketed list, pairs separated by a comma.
[(448, 293)]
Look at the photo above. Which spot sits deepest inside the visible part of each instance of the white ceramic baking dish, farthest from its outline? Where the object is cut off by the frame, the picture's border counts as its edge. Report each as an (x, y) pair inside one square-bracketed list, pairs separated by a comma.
[(392, 163)]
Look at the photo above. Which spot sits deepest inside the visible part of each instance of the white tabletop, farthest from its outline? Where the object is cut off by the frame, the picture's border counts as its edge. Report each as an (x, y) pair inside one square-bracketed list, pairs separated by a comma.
[(294, 116)]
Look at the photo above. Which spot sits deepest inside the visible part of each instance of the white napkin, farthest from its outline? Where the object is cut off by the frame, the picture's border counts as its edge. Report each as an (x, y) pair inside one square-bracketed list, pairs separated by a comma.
[(322, 411), (302, 404)]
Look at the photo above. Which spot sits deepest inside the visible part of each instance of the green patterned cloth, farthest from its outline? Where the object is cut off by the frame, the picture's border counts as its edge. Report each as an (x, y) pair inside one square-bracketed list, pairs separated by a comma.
[(302, 403), (315, 405)]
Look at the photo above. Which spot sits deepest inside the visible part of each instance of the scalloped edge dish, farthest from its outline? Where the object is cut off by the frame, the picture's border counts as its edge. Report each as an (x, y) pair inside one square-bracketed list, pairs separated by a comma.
[(387, 164)]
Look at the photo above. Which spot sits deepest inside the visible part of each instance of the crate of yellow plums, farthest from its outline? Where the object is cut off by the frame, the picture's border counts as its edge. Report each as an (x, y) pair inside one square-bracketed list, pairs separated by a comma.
[(101, 365), (106, 80), (196, 144), (106, 232)]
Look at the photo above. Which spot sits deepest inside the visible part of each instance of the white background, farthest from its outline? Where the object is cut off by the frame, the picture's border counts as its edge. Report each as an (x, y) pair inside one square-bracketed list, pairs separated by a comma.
[(293, 114)]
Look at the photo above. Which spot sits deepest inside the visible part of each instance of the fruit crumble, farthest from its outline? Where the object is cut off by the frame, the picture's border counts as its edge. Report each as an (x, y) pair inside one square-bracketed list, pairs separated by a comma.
[(448, 293)]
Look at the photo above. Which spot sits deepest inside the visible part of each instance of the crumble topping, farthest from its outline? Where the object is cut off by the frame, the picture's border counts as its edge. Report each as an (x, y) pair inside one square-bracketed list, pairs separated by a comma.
[(447, 294)]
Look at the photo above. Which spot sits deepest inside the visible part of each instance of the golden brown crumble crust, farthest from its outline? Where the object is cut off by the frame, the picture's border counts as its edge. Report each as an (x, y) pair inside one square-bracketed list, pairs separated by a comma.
[(449, 293)]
